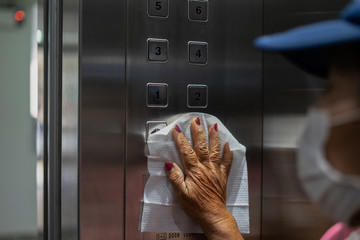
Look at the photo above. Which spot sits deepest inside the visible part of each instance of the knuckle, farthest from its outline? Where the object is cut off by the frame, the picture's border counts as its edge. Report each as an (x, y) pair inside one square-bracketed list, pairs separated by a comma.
[(215, 156)]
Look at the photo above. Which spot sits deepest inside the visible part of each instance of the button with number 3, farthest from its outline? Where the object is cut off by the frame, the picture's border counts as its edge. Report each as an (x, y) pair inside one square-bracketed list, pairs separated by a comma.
[(158, 8), (198, 52), (198, 10), (157, 50)]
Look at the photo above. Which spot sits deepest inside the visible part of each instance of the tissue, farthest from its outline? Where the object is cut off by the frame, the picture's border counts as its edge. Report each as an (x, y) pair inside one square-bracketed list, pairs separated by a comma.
[(160, 210)]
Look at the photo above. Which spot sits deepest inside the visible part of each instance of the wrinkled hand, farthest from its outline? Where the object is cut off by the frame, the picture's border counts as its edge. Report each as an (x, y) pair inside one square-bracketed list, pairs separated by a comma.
[(201, 192)]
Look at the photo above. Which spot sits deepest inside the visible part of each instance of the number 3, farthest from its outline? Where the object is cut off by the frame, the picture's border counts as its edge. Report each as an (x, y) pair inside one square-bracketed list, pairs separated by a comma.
[(158, 51)]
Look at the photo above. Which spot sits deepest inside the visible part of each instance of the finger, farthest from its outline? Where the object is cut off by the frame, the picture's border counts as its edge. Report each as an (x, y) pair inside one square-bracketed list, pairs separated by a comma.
[(227, 159), (176, 177), (188, 156), (215, 145), (199, 140)]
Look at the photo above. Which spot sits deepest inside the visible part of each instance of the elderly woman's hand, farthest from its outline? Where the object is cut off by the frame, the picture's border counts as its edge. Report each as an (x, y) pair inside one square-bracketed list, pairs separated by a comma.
[(201, 191)]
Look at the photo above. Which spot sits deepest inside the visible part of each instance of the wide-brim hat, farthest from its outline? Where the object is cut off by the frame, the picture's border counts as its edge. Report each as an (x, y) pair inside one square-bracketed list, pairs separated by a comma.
[(310, 46)]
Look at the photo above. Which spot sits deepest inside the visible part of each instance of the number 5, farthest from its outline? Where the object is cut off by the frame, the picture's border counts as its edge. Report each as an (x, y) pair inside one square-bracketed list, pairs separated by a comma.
[(158, 5)]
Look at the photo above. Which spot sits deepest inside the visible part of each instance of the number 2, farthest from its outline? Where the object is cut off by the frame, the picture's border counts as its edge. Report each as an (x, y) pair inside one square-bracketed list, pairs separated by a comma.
[(197, 94)]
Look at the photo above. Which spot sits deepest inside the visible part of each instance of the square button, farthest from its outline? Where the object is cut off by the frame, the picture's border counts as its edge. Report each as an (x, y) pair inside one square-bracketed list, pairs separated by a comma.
[(158, 8), (198, 52), (158, 50), (153, 127), (197, 96), (198, 10), (157, 95)]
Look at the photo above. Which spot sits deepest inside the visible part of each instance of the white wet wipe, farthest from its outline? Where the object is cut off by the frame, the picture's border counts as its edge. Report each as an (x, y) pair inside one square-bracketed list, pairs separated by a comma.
[(160, 211)]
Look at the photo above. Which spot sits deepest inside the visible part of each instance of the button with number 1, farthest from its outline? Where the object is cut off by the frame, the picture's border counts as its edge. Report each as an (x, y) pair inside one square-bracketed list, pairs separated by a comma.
[(198, 52)]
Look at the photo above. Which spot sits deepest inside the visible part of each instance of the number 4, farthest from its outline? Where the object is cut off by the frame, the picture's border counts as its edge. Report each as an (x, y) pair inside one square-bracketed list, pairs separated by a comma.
[(198, 53)]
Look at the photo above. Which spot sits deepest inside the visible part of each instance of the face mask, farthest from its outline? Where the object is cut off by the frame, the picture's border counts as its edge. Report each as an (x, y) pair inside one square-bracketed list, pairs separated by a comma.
[(336, 193)]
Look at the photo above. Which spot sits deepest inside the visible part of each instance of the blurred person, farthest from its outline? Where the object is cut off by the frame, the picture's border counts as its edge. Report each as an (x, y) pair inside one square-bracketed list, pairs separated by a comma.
[(328, 154)]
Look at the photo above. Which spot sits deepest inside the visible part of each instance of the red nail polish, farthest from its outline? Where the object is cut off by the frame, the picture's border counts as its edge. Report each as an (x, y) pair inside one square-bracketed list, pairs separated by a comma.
[(177, 129), (216, 127), (197, 120), (168, 166)]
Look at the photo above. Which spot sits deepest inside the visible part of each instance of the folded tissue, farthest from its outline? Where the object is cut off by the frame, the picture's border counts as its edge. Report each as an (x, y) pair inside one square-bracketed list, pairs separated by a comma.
[(160, 210)]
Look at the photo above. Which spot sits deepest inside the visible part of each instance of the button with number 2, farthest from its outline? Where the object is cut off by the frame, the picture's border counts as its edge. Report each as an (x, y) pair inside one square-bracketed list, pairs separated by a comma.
[(198, 52)]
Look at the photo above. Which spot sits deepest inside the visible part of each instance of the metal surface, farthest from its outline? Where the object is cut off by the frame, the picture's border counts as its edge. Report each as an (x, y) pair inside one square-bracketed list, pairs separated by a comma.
[(54, 119), (70, 88), (233, 76), (102, 119), (288, 92)]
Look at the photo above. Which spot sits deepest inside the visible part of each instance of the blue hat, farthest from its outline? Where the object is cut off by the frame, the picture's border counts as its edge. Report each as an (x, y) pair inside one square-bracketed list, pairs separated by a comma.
[(310, 47)]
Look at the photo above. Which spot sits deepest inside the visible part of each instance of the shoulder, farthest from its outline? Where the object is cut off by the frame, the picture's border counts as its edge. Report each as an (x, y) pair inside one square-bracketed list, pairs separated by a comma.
[(341, 232)]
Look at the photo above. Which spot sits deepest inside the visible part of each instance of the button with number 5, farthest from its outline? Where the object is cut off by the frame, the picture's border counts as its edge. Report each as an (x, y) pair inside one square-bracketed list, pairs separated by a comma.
[(198, 52), (198, 10), (158, 8), (158, 50)]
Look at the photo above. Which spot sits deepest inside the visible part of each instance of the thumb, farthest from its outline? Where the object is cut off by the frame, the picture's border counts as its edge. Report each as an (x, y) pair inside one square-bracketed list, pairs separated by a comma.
[(176, 177)]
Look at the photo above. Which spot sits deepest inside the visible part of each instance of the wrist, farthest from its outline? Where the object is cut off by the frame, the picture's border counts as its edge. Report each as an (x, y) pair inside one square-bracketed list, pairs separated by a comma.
[(219, 225)]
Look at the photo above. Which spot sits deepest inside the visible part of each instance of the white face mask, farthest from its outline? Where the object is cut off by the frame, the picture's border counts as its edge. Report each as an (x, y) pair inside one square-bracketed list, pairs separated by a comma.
[(336, 193)]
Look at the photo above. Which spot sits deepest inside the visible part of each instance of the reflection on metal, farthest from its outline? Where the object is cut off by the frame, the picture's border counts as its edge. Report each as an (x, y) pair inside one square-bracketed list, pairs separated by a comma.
[(102, 120), (70, 89), (288, 92)]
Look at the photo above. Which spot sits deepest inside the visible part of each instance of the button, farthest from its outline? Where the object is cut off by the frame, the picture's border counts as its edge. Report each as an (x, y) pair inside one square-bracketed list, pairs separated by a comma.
[(153, 127), (158, 8), (198, 10), (198, 52), (157, 95), (158, 50), (197, 96)]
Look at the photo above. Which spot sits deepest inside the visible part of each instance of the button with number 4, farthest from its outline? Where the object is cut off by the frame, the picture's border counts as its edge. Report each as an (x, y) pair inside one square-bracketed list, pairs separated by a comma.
[(158, 8), (198, 10), (158, 50), (198, 52)]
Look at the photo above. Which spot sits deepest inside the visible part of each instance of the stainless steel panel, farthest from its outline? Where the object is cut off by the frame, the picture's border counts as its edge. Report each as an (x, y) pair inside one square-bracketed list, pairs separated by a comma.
[(287, 214), (233, 76), (70, 89), (102, 119)]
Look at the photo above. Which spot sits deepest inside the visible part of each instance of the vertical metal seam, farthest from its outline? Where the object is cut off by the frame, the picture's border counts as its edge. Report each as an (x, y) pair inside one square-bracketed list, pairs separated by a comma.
[(79, 114), (45, 112), (54, 118), (126, 112), (262, 123)]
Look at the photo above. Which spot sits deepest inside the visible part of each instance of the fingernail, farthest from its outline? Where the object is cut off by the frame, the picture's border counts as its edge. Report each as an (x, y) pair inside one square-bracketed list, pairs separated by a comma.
[(216, 127), (177, 129), (197, 120), (168, 166)]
